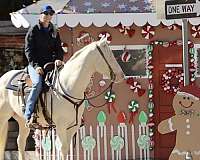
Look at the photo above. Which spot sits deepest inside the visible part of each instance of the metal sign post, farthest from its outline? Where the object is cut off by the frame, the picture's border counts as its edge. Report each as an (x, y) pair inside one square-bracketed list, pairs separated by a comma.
[(185, 51), (182, 9)]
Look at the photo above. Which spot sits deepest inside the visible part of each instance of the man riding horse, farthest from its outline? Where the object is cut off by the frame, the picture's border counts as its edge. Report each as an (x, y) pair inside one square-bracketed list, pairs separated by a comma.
[(42, 45)]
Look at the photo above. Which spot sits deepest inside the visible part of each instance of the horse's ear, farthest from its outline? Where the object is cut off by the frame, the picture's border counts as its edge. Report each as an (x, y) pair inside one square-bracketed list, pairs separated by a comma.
[(103, 36), (103, 40)]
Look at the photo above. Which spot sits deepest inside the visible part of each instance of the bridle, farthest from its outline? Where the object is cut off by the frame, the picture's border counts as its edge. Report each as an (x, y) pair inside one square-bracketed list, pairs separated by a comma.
[(79, 101), (112, 75)]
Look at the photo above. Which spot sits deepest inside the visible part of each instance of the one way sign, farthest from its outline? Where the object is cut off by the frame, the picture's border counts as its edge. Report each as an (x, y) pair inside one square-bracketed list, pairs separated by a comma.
[(182, 9)]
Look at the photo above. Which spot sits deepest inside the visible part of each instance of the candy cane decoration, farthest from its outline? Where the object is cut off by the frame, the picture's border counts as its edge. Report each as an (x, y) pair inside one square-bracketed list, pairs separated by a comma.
[(110, 99), (106, 34), (195, 31), (133, 109), (126, 56), (148, 32)]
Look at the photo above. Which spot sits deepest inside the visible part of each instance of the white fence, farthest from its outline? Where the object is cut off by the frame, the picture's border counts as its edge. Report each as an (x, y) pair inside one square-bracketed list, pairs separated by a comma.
[(103, 142)]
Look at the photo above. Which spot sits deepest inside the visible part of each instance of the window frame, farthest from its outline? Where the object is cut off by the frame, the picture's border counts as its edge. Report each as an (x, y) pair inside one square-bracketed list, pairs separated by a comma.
[(132, 47)]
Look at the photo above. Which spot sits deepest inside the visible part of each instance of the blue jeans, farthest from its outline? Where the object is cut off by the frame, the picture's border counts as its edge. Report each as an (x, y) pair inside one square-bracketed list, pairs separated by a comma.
[(34, 93)]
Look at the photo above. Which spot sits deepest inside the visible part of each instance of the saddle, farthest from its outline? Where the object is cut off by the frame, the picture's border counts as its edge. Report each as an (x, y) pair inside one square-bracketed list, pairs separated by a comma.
[(21, 84)]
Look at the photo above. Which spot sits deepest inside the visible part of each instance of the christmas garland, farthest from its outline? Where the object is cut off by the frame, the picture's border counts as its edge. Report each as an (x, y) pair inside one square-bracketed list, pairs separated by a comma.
[(170, 76)]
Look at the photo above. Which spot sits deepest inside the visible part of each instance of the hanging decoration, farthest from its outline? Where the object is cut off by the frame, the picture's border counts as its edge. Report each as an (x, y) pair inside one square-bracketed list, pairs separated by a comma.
[(195, 31), (106, 34), (121, 117), (84, 38), (143, 118), (148, 32), (126, 30), (133, 109), (126, 56), (110, 99), (172, 80), (135, 86)]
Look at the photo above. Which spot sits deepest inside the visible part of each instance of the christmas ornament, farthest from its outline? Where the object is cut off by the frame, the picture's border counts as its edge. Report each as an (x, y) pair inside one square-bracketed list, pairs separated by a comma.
[(133, 109), (106, 34), (126, 30), (195, 31), (126, 56), (148, 32), (110, 98), (84, 38)]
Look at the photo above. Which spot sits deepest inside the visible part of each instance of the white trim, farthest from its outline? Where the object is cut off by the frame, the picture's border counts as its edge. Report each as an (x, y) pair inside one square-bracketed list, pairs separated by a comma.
[(196, 46), (100, 19), (170, 124)]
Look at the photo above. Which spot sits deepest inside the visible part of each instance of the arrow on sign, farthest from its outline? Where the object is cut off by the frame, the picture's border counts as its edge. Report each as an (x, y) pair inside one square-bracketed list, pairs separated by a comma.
[(182, 9)]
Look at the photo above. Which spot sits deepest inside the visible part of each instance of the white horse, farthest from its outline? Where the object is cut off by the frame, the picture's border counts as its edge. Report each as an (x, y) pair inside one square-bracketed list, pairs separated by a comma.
[(74, 77)]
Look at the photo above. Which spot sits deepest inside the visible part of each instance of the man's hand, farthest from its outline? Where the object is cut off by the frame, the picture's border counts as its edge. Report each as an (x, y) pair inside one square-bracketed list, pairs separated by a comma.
[(39, 70), (58, 62)]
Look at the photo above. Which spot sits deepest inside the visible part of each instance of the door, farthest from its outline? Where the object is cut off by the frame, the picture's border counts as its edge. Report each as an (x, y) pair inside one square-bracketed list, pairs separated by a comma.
[(164, 58)]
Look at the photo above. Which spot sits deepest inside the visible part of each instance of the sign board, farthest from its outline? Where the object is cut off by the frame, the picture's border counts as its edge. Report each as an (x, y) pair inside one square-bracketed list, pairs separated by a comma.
[(177, 9)]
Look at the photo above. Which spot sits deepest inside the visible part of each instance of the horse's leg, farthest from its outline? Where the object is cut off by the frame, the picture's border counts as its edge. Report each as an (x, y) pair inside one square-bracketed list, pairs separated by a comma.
[(64, 139), (21, 139), (3, 137)]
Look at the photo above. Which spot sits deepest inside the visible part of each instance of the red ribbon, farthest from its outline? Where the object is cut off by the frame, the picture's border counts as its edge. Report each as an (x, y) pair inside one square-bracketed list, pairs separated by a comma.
[(132, 115), (111, 105)]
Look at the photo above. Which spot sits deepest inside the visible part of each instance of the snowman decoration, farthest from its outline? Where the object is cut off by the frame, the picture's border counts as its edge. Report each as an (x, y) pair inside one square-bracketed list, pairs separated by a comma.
[(186, 122)]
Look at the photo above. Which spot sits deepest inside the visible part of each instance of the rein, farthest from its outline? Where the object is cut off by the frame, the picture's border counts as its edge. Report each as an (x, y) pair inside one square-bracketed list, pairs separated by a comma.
[(70, 98)]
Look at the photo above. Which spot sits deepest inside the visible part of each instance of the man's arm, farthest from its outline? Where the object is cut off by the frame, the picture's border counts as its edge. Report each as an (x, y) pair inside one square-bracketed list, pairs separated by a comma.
[(29, 47)]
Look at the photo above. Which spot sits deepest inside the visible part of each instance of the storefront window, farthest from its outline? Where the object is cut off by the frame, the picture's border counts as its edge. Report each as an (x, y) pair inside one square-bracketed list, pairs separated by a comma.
[(11, 59), (132, 59)]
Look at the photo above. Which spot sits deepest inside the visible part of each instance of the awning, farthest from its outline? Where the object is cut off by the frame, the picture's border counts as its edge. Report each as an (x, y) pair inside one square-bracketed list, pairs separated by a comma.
[(66, 14)]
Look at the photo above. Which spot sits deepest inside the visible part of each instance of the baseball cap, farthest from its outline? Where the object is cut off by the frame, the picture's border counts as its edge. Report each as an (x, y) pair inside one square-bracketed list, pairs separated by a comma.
[(47, 9)]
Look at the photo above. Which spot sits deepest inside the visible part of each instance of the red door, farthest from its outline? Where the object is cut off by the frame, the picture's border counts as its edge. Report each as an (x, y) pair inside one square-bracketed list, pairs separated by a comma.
[(164, 58)]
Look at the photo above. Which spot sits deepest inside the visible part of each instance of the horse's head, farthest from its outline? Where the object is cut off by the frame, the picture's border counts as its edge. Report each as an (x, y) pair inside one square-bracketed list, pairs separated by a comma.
[(106, 63)]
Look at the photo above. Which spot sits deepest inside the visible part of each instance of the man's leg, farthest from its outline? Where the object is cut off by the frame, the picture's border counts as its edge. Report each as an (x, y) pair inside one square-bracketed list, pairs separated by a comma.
[(34, 93)]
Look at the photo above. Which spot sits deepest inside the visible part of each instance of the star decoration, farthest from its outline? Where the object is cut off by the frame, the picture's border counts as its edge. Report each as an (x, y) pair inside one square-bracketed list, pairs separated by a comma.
[(105, 4), (133, 1), (134, 8), (91, 10), (87, 4), (122, 6)]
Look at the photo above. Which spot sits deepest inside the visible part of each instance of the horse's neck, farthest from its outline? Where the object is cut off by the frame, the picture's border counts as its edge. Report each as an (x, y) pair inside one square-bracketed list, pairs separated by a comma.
[(75, 76)]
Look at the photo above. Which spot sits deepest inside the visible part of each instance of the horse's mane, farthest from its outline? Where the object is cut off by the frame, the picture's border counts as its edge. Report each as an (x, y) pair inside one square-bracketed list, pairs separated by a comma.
[(77, 53)]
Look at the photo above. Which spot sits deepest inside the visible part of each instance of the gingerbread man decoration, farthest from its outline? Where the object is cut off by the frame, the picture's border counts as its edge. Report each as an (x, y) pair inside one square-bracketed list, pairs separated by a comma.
[(186, 122)]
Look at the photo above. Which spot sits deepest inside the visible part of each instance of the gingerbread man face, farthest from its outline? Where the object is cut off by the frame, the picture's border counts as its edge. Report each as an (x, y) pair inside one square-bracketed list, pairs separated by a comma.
[(186, 102)]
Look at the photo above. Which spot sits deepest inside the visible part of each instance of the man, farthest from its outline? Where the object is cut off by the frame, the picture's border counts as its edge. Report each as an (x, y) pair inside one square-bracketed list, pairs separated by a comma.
[(42, 45)]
